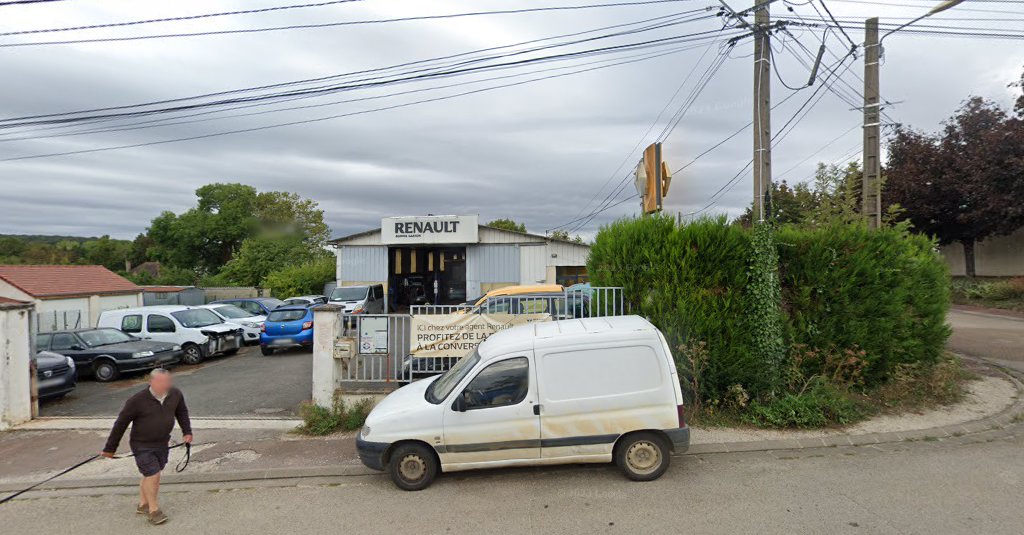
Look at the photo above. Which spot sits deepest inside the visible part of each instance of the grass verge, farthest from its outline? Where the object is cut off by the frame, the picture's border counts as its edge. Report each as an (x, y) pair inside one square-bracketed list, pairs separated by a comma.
[(320, 421), (989, 292)]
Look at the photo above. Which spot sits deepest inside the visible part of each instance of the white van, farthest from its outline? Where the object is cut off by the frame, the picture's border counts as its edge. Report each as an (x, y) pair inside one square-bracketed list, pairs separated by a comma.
[(589, 390), (359, 299), (198, 331)]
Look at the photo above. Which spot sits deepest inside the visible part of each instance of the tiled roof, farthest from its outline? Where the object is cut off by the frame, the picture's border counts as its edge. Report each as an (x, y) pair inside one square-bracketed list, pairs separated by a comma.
[(55, 281)]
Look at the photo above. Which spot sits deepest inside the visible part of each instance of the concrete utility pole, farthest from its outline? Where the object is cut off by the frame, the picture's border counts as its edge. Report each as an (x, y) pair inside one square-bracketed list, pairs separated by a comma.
[(872, 179), (762, 110)]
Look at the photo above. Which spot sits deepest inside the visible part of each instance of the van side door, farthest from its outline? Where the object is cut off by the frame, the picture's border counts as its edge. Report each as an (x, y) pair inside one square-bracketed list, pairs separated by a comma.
[(591, 395), (492, 418), (161, 328)]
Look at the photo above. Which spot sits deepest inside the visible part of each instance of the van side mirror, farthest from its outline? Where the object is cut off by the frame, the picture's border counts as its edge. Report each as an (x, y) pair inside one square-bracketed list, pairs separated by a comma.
[(460, 403)]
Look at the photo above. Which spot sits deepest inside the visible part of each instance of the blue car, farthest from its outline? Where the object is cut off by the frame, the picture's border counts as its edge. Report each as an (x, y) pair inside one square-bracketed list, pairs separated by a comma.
[(287, 326), (257, 306)]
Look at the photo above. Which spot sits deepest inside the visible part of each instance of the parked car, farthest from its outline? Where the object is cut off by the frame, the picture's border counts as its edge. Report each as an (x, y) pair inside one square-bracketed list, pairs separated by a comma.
[(532, 299), (55, 375), (360, 299), (198, 331), (288, 326), (306, 300), (257, 306), (251, 325), (106, 353), (588, 390)]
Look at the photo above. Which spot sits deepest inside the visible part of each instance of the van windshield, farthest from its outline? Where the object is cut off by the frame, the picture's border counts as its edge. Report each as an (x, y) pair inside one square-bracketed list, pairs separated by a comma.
[(439, 389), (349, 293)]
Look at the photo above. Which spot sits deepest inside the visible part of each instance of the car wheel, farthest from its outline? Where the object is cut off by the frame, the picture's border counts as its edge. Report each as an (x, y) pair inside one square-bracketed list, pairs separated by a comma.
[(266, 351), (191, 354), (104, 371), (413, 467), (642, 456)]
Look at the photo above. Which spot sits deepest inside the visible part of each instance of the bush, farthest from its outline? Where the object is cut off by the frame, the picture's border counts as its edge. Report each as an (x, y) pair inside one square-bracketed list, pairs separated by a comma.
[(819, 406), (319, 421), (878, 297), (304, 279)]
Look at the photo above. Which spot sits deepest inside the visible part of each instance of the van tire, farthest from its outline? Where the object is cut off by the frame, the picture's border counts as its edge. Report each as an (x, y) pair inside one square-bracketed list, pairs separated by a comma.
[(643, 456), (104, 371), (191, 354), (412, 466)]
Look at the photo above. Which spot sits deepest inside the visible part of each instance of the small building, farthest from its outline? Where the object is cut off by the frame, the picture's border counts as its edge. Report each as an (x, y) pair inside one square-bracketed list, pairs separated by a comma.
[(67, 297), (450, 259), (173, 295)]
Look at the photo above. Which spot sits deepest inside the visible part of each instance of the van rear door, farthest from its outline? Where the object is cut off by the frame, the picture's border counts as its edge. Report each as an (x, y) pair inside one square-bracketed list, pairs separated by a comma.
[(492, 419), (592, 395)]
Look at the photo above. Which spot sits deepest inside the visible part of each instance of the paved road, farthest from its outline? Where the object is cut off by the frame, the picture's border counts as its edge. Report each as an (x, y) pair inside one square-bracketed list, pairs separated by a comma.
[(920, 487), (999, 338), (246, 384)]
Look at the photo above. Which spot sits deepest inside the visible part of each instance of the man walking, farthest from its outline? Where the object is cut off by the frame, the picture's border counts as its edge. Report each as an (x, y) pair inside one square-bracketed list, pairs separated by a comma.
[(151, 412)]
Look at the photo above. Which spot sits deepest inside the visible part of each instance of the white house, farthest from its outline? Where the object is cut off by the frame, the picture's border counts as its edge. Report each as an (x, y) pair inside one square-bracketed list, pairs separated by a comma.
[(68, 297)]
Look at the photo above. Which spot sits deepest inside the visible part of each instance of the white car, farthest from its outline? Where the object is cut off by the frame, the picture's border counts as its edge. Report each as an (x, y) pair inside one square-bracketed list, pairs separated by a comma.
[(251, 325), (591, 390), (198, 331), (306, 300)]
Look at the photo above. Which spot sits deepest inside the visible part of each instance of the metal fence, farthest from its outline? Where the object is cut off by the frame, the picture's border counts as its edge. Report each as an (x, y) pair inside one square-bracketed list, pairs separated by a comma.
[(382, 352), (381, 347), (579, 302), (58, 320)]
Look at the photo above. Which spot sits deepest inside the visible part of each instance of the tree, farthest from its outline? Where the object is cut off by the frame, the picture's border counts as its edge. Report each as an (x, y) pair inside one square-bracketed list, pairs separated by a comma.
[(304, 279), (207, 237), (563, 235), (964, 184), (106, 252), (260, 255), (507, 224), (834, 196)]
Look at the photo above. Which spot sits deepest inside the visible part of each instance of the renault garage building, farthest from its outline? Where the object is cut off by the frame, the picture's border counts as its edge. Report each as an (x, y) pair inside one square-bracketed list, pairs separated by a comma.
[(452, 258)]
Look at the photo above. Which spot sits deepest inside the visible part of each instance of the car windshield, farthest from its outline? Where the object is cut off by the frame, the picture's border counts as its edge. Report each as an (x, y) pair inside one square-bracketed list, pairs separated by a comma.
[(196, 317), (350, 293), (231, 312), (439, 389), (286, 315), (103, 337)]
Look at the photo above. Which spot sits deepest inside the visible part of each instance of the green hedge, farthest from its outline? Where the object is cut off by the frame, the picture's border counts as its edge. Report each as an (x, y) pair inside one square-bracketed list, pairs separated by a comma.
[(883, 291), (301, 279)]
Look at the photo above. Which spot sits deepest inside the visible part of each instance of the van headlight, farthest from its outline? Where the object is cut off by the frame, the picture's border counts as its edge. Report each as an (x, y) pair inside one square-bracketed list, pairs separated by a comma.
[(142, 354), (365, 431)]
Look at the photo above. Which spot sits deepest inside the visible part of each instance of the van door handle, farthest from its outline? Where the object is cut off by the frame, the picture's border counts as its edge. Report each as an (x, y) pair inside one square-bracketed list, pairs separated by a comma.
[(536, 409)]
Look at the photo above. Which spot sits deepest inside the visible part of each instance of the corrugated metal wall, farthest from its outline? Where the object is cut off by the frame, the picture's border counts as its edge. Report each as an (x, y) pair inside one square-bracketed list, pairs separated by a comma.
[(363, 264), (498, 263), (532, 262), (567, 254)]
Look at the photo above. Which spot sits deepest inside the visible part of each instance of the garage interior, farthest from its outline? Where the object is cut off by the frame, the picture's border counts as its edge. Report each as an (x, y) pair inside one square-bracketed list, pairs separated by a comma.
[(413, 272)]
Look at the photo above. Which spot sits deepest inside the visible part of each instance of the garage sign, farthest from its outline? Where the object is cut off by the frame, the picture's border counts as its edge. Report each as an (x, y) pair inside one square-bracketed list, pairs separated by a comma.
[(457, 335), (430, 229)]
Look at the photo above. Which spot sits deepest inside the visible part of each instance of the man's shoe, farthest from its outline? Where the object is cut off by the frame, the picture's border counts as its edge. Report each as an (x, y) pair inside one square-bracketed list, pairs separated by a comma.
[(157, 517), (142, 510)]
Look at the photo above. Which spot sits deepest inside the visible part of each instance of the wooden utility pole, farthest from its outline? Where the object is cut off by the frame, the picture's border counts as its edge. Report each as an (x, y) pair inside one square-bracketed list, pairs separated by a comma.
[(762, 110), (872, 181)]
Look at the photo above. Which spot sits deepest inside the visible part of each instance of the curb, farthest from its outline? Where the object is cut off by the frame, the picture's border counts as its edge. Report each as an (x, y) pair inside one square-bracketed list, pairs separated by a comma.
[(997, 422)]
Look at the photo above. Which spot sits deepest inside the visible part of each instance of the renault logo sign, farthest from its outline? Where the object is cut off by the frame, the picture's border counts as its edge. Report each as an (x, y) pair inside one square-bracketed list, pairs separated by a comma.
[(430, 229)]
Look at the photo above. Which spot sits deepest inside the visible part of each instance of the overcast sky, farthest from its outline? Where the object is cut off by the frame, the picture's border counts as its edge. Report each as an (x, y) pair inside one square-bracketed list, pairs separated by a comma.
[(538, 152)]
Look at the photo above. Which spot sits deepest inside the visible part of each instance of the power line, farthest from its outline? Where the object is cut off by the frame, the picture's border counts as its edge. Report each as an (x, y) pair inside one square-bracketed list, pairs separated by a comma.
[(291, 123), (176, 19), (17, 2), (69, 117), (335, 24)]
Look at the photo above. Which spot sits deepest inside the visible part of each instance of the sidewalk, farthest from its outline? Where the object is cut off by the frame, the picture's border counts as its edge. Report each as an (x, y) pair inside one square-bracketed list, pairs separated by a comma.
[(263, 450)]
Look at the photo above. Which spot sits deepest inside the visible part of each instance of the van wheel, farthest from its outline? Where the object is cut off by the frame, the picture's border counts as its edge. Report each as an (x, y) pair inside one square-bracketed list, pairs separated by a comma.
[(412, 467), (191, 354), (104, 371), (266, 351), (642, 456)]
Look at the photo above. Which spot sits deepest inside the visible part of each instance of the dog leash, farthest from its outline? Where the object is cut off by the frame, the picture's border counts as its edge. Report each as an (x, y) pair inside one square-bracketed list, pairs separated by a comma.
[(180, 467)]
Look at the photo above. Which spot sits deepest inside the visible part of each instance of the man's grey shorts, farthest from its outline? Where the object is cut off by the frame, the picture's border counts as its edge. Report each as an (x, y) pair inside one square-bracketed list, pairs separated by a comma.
[(151, 461)]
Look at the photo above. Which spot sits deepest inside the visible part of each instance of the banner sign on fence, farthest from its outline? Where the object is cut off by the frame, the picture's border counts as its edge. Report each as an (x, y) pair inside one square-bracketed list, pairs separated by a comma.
[(457, 335)]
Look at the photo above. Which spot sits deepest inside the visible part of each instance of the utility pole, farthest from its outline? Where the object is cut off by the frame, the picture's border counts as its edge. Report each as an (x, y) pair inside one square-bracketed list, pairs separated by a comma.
[(762, 110), (872, 180)]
